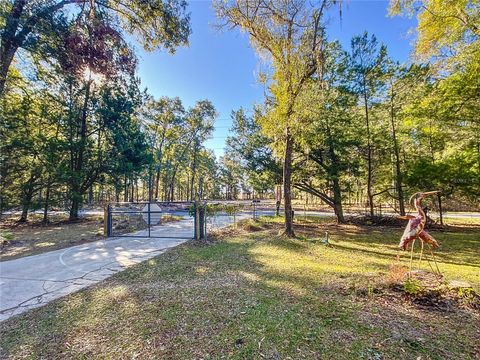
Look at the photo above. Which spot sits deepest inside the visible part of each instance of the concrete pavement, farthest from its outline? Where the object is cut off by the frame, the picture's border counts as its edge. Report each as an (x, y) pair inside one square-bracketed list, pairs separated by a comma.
[(33, 281)]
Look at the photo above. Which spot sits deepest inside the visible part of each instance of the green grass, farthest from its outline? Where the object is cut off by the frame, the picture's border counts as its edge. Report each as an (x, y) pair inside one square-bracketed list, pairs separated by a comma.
[(255, 295), (466, 220)]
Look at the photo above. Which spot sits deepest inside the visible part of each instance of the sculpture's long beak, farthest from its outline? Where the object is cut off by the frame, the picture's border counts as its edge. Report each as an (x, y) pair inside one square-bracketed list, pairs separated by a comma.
[(430, 192)]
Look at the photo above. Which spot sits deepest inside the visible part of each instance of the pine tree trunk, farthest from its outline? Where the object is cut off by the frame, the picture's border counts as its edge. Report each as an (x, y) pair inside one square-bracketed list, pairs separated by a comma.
[(76, 188), (334, 172), (398, 171), (369, 158), (157, 182), (287, 186), (440, 209), (75, 206), (46, 203), (337, 202), (27, 199), (25, 207)]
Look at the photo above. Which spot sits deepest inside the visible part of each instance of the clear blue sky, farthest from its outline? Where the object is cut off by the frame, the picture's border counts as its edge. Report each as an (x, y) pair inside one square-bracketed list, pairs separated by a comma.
[(222, 67)]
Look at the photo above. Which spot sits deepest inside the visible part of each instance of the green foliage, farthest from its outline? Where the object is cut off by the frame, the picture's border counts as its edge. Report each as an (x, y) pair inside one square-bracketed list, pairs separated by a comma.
[(6, 235), (249, 160), (445, 28), (39, 26), (79, 130), (348, 125), (412, 286)]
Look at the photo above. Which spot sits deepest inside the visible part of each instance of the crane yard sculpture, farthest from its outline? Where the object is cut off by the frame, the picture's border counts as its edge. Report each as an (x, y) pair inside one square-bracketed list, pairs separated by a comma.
[(416, 229)]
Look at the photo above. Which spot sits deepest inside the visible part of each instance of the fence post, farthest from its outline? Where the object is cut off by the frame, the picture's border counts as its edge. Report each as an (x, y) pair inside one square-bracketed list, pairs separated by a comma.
[(201, 217), (205, 222), (234, 217), (196, 221), (105, 221), (108, 221), (149, 219)]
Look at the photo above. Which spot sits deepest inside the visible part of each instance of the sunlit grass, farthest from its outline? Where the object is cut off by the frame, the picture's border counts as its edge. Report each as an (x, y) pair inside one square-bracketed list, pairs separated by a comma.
[(465, 220)]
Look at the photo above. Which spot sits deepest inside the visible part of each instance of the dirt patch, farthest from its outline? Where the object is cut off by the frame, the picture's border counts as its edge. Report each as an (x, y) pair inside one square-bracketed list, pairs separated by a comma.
[(35, 237), (426, 291)]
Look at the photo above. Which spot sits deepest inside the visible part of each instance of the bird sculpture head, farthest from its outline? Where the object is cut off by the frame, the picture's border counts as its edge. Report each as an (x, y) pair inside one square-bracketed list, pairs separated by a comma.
[(420, 195)]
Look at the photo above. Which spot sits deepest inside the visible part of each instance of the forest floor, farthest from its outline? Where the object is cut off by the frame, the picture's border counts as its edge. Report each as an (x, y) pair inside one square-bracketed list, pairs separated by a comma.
[(34, 237), (250, 293)]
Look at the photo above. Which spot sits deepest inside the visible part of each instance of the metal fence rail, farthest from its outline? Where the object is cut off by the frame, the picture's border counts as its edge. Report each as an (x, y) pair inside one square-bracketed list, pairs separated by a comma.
[(145, 219)]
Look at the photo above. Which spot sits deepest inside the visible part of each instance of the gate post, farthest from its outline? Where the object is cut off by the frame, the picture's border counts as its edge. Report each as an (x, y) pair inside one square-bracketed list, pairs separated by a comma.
[(149, 221), (105, 221), (196, 230), (199, 220), (107, 226), (201, 216), (205, 222)]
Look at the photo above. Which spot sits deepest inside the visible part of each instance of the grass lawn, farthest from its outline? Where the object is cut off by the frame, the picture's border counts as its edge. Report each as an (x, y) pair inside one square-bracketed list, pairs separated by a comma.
[(255, 295)]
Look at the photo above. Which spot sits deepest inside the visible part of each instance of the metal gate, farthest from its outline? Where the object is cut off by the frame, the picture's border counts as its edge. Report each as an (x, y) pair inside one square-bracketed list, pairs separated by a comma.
[(178, 219)]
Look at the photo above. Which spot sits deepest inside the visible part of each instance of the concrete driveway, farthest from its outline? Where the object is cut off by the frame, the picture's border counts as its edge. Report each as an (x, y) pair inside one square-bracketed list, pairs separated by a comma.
[(33, 281)]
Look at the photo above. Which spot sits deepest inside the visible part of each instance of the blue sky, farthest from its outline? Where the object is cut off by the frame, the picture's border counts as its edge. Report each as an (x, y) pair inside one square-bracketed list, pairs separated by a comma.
[(221, 66)]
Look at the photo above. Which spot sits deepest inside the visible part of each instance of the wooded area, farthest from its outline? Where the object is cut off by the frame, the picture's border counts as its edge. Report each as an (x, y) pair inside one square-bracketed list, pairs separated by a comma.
[(345, 125)]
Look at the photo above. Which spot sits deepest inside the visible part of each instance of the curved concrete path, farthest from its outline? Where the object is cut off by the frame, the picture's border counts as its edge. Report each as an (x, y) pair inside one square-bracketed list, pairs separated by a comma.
[(35, 280)]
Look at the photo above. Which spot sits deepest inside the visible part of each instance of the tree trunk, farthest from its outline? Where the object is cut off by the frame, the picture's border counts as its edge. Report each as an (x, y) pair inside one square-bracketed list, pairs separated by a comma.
[(75, 206), (125, 188), (398, 172), (90, 195), (5, 62), (369, 157), (337, 202), (46, 203), (287, 187), (157, 182), (27, 198), (172, 189), (440, 209), (194, 170), (335, 176), (76, 188), (132, 192)]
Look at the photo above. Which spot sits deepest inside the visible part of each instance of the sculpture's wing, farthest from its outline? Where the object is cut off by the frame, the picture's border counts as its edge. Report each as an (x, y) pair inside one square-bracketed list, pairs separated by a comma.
[(409, 234), (415, 223), (427, 238)]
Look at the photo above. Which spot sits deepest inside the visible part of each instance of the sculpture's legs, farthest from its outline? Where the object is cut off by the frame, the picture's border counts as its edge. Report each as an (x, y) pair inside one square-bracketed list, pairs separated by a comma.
[(411, 257), (430, 264), (421, 253), (435, 260)]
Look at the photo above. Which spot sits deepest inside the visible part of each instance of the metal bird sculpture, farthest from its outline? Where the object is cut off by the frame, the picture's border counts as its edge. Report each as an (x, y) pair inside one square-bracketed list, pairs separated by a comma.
[(416, 228)]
